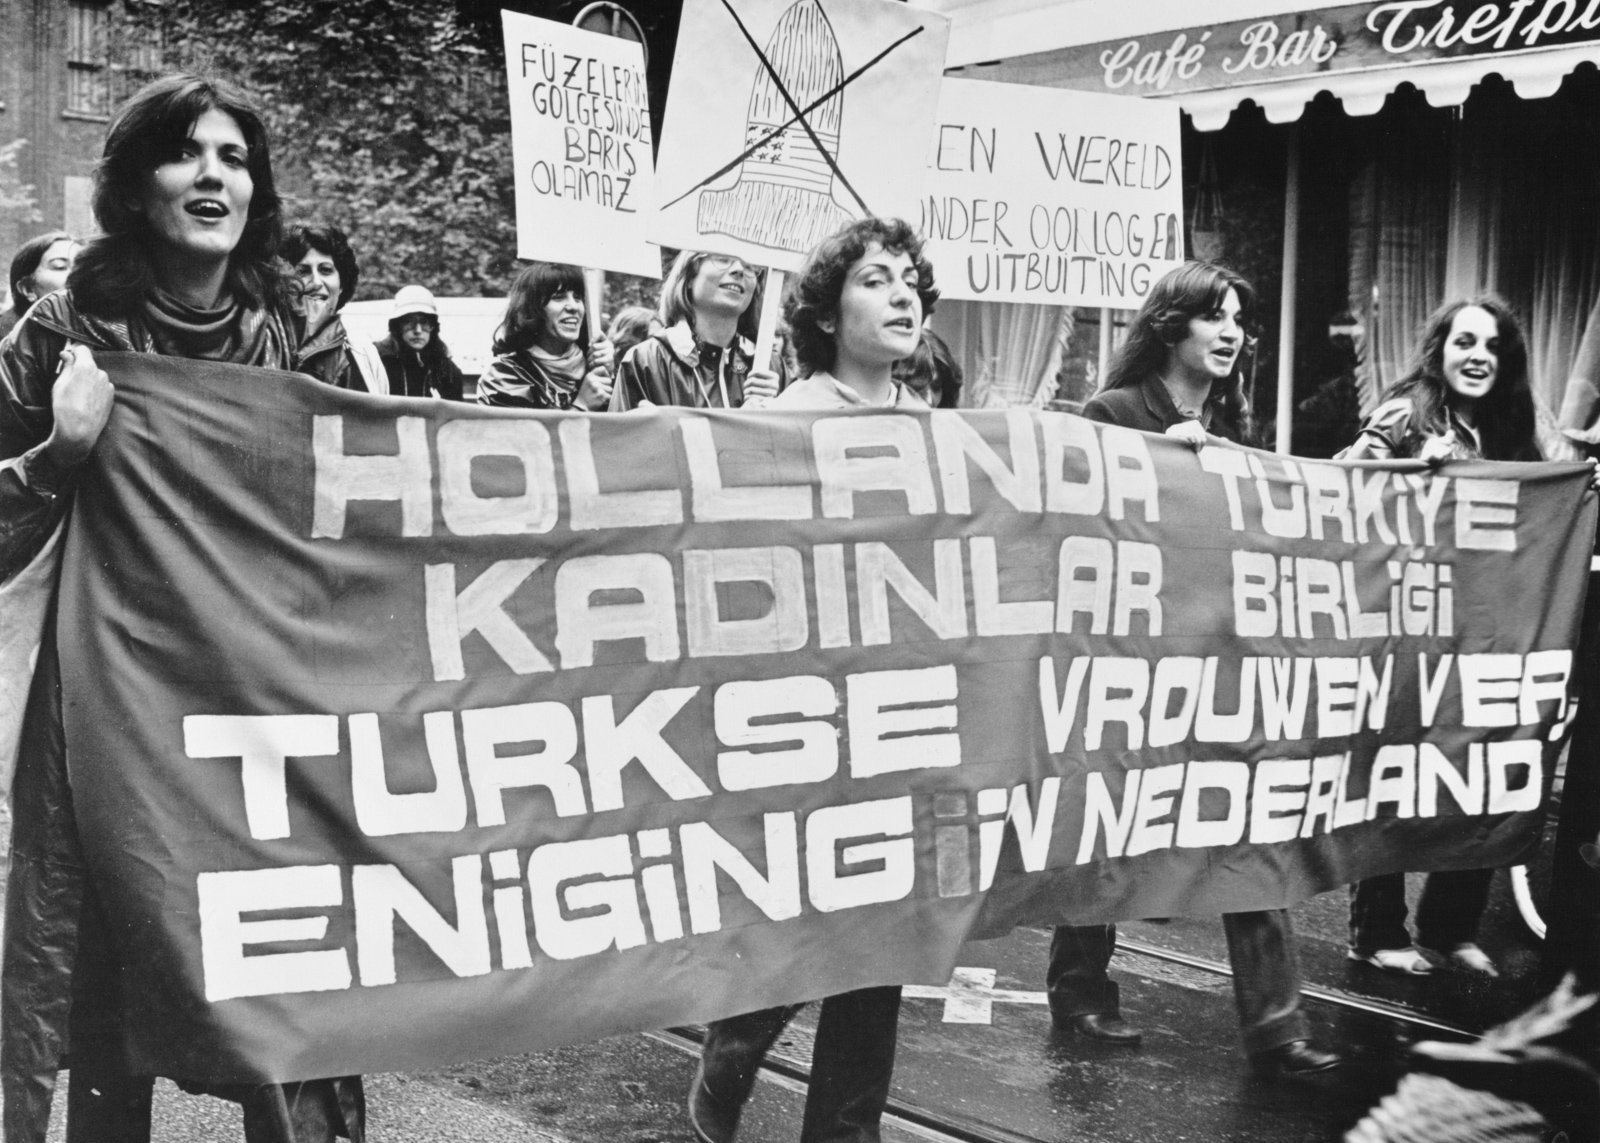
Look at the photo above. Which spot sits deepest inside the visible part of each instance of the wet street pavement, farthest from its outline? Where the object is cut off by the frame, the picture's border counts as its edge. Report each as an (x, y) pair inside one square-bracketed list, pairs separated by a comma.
[(980, 1061)]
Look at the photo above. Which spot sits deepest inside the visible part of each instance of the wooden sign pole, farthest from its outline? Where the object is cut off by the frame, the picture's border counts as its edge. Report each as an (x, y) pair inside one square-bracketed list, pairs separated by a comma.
[(771, 305), (594, 292)]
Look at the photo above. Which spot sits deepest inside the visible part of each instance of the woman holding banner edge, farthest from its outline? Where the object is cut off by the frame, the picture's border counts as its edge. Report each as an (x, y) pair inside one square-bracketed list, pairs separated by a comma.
[(1466, 398), (544, 358), (186, 268), (853, 311), (1177, 374)]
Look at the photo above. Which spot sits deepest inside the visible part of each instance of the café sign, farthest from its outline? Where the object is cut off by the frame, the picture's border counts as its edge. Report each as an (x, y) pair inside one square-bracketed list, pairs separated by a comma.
[(1323, 41)]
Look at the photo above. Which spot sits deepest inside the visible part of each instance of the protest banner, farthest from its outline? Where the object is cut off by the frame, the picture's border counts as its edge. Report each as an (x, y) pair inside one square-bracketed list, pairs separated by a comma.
[(1054, 197), (833, 124), (581, 146), (470, 732)]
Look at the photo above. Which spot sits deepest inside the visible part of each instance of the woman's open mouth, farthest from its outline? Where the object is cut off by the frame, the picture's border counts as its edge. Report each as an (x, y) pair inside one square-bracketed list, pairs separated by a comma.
[(207, 208)]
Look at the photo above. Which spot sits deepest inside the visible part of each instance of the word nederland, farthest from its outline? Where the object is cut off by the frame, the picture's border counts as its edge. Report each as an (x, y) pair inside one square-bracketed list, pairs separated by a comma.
[(658, 717)]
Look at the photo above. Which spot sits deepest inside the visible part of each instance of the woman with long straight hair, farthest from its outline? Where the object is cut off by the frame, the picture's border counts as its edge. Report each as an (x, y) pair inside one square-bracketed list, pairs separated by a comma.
[(543, 356), (704, 358), (1178, 374), (186, 267), (1466, 397)]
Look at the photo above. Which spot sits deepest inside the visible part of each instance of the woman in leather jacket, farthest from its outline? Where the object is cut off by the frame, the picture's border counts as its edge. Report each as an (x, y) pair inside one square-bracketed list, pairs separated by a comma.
[(187, 267), (543, 355), (704, 357)]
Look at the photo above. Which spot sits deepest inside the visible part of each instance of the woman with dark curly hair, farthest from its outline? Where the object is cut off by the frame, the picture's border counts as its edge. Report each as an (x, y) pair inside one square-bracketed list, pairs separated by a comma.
[(187, 266), (327, 272), (1467, 397), (854, 310), (543, 356)]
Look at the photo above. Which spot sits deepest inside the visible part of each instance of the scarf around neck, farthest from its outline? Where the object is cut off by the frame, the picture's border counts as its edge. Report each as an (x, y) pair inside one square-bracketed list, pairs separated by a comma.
[(228, 332)]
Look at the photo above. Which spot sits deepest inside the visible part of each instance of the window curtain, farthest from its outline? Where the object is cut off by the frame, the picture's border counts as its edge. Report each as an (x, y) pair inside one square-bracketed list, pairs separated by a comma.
[(1399, 210), (1519, 216), (1010, 353)]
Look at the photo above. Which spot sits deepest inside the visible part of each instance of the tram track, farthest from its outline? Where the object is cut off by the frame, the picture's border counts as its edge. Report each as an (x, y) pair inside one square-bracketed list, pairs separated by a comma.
[(935, 1126), (1330, 996), (944, 1126)]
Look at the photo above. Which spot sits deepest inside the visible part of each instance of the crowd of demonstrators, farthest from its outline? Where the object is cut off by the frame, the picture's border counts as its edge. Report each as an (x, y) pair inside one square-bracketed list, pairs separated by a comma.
[(704, 356), (193, 264), (186, 267), (543, 355), (416, 361), (39, 267)]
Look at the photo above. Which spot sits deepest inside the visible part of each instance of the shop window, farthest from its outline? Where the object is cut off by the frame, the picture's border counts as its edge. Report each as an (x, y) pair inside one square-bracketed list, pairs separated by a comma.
[(109, 56)]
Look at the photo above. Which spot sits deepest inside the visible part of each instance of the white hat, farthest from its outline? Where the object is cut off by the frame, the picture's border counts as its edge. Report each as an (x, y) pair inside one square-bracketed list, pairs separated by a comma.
[(413, 300)]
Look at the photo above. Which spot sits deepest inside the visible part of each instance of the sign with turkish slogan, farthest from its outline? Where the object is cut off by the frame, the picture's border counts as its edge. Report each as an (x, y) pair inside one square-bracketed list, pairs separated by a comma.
[(581, 146)]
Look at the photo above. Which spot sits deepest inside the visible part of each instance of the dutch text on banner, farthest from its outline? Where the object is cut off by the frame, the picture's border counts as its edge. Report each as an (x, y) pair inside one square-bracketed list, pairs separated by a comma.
[(1054, 197), (581, 146), (403, 733)]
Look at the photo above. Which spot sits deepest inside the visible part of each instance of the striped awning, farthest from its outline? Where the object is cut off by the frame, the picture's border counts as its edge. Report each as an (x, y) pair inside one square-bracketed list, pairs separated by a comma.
[(1277, 55)]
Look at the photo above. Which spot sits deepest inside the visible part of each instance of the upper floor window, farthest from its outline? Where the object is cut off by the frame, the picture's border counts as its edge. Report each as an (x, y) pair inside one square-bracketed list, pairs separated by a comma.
[(109, 57)]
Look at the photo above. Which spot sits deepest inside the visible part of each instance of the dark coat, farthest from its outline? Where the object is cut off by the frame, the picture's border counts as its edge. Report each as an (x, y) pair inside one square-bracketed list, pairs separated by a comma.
[(673, 367), (1149, 408), (518, 381), (411, 376), (61, 967)]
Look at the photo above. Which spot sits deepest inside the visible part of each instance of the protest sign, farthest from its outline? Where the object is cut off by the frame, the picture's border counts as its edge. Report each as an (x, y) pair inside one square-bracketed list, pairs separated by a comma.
[(1055, 197), (580, 142), (787, 119), (475, 731)]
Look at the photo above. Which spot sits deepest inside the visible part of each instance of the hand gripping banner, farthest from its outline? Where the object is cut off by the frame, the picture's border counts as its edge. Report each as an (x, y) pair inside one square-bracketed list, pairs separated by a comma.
[(402, 732)]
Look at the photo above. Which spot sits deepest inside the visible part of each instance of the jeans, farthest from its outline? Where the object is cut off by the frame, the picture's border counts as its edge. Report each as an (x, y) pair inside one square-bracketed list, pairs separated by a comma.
[(1447, 914), (851, 1065), (1266, 976)]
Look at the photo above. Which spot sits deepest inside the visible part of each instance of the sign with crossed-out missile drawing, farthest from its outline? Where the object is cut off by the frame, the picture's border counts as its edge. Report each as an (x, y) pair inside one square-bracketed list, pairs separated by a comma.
[(789, 118)]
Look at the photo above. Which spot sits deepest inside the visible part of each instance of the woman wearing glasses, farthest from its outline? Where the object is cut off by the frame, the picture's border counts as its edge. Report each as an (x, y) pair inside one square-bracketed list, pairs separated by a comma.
[(704, 358)]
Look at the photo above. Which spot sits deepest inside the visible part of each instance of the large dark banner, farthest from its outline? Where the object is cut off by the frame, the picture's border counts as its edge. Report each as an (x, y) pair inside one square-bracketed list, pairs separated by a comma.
[(402, 731)]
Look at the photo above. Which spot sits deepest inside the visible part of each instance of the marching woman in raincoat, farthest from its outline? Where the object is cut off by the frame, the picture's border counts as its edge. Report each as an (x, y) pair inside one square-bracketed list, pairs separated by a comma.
[(543, 356), (704, 358), (186, 267)]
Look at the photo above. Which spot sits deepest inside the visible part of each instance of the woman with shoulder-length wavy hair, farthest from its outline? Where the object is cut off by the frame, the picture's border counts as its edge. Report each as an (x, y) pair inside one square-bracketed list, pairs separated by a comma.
[(1177, 374), (1466, 397), (543, 356), (1178, 371), (704, 358), (186, 267)]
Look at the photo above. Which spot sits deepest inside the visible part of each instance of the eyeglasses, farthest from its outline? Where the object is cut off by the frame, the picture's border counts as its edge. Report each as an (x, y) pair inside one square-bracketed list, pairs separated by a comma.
[(725, 262)]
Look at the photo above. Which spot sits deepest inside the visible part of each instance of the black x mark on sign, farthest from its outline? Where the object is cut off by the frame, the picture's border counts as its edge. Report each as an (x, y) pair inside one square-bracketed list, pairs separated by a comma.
[(799, 113)]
